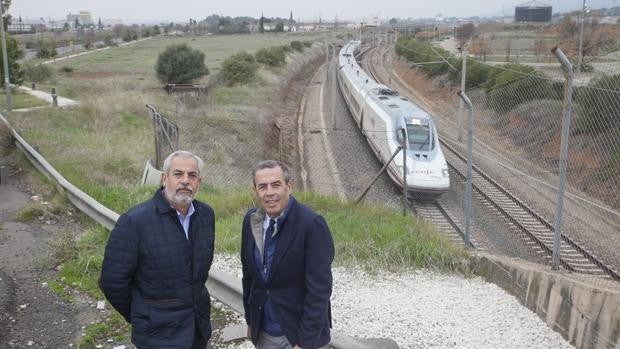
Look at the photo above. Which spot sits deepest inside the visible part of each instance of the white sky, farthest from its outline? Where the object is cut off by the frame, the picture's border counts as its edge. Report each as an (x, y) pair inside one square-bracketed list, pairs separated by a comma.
[(182, 10)]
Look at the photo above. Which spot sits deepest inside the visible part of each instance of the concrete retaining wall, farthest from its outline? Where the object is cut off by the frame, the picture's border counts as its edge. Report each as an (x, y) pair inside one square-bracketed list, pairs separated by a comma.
[(585, 311)]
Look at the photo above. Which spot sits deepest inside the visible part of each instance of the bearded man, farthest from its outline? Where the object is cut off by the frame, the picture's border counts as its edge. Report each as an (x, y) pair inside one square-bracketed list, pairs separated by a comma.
[(157, 261)]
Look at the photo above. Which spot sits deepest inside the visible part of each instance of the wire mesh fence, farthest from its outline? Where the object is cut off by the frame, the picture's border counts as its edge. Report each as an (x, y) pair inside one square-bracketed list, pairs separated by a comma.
[(518, 110)]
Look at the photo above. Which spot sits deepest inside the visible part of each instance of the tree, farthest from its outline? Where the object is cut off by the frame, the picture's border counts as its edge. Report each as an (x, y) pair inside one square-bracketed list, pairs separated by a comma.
[(464, 32), (261, 24), (16, 75), (180, 64), (279, 27)]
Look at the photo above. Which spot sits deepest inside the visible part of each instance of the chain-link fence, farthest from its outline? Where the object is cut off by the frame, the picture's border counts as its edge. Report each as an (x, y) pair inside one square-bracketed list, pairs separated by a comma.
[(519, 110), (166, 135)]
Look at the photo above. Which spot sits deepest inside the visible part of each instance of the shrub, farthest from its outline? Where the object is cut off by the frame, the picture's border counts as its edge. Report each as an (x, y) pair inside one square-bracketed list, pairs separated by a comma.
[(272, 56), (297, 46), (37, 73), (180, 64), (66, 69), (239, 69), (307, 43), (423, 52), (286, 48), (600, 104), (14, 54), (46, 49)]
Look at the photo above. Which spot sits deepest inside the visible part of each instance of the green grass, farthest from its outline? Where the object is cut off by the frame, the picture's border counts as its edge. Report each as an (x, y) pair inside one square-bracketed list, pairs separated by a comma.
[(20, 100), (113, 327)]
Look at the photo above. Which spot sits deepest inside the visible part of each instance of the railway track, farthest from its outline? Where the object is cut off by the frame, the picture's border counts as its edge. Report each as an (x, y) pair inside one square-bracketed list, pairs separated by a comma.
[(432, 210), (534, 230)]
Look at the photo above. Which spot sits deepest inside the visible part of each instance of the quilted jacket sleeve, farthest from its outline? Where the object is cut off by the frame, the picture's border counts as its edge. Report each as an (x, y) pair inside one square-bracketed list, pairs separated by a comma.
[(119, 265)]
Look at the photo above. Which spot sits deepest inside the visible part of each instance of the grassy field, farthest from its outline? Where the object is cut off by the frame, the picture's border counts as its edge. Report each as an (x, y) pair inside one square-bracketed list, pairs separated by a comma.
[(20, 100), (102, 145)]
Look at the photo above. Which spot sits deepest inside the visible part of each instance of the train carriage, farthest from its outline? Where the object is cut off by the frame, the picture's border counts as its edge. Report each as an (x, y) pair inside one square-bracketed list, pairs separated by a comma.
[(382, 116)]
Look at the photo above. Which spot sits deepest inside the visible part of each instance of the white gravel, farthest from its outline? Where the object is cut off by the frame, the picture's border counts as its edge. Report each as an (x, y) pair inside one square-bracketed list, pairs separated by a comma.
[(421, 309)]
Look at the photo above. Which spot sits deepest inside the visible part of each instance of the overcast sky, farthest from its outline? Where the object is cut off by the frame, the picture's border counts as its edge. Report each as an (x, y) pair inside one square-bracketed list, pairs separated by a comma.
[(182, 10)]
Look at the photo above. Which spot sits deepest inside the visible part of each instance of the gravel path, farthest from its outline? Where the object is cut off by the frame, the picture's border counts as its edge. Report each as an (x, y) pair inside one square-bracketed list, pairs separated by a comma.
[(421, 309)]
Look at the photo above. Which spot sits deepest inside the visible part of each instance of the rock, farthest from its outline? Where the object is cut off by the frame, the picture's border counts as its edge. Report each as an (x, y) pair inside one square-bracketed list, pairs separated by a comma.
[(100, 305)]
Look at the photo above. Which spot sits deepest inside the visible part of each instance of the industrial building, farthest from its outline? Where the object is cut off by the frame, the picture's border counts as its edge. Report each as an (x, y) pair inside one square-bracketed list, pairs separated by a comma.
[(533, 11)]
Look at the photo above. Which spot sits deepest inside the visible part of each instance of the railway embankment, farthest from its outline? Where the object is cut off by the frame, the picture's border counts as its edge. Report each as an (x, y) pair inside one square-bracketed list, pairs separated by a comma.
[(585, 313)]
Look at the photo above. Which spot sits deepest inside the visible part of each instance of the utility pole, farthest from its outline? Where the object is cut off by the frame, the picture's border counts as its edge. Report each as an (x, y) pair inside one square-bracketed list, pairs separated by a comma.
[(5, 58), (580, 53)]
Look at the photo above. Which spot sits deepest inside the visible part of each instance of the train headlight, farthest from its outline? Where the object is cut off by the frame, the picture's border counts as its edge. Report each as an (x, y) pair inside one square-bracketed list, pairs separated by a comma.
[(445, 172)]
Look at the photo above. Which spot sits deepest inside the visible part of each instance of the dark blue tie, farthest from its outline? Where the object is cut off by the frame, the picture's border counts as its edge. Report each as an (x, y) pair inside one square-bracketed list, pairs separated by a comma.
[(268, 237)]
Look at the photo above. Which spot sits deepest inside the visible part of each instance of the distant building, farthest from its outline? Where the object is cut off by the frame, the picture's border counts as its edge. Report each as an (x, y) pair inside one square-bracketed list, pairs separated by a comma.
[(83, 18), (533, 11)]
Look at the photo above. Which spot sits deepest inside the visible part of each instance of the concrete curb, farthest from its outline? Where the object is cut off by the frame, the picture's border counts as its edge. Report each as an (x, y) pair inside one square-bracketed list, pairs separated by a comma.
[(586, 316)]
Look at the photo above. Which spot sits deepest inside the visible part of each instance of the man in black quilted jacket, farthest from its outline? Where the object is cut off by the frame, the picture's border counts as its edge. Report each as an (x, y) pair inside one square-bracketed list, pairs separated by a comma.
[(157, 261)]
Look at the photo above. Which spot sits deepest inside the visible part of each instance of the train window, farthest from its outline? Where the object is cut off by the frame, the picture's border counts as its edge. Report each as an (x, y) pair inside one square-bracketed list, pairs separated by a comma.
[(383, 97), (393, 106), (419, 136)]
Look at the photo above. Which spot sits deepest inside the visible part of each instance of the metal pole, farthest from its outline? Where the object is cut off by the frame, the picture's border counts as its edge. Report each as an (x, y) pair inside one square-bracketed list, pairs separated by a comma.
[(583, 19), (566, 119), (377, 175), (5, 56), (470, 142), (463, 81), (404, 171), (333, 92)]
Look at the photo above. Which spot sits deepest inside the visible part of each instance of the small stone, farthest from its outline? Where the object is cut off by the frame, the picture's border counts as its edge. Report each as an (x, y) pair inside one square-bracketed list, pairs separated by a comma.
[(35, 198), (98, 346), (44, 284), (100, 305), (23, 306), (30, 343), (119, 347), (110, 340)]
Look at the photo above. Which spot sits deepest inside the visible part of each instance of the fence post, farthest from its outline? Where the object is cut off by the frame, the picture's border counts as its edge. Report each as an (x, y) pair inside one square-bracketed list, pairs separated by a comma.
[(279, 141), (54, 97), (566, 119), (405, 141), (470, 142), (463, 82)]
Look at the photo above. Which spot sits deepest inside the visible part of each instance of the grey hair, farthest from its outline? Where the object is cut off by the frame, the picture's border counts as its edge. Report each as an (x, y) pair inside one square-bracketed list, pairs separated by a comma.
[(183, 154), (271, 164)]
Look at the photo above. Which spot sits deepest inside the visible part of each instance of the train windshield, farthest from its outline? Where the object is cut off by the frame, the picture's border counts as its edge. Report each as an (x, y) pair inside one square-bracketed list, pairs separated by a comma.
[(420, 135)]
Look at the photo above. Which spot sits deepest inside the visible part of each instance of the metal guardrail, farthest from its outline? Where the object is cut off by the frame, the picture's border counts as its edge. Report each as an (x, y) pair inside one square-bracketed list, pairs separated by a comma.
[(224, 287)]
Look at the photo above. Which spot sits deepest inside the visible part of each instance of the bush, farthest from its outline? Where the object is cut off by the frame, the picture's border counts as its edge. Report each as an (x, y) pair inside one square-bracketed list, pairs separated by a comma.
[(307, 43), (46, 49), (239, 69), (37, 73), (272, 56), (512, 84), (423, 52), (180, 64), (297, 46), (15, 54), (600, 105), (66, 69)]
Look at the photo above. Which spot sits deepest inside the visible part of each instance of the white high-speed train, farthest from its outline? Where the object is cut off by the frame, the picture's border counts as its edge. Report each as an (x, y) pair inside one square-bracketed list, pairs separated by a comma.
[(381, 115)]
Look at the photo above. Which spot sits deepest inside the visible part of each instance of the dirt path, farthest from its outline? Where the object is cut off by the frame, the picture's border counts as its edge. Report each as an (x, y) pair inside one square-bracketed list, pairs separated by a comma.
[(31, 315)]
